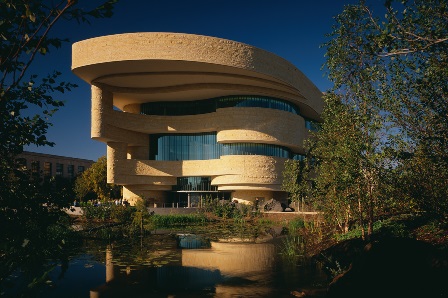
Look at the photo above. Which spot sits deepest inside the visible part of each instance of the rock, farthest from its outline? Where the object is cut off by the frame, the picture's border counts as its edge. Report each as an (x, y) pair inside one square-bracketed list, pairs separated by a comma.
[(273, 205)]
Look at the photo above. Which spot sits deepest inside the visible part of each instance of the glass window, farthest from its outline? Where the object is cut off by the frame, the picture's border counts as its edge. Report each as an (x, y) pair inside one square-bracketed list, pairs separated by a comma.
[(203, 146), (21, 163), (71, 171), (81, 169), (195, 184), (35, 168), (47, 169), (59, 169), (179, 108)]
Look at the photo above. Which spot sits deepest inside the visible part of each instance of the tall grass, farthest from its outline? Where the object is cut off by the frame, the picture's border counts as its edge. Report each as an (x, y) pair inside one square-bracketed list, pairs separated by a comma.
[(293, 247), (164, 221)]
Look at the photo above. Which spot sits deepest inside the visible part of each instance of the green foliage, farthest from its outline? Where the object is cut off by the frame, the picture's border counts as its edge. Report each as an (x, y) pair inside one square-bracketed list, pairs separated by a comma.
[(30, 210), (293, 247), (122, 213), (295, 224), (164, 221), (141, 220), (264, 221), (344, 166), (384, 228), (226, 209), (385, 120), (335, 269), (391, 228), (296, 179), (25, 28), (108, 212), (94, 181)]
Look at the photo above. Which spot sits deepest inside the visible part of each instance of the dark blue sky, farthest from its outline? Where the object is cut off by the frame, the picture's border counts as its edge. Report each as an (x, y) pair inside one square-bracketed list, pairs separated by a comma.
[(292, 29)]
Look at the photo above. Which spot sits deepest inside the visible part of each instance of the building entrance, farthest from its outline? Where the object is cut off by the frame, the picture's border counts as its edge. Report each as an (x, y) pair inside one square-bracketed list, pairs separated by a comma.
[(194, 199)]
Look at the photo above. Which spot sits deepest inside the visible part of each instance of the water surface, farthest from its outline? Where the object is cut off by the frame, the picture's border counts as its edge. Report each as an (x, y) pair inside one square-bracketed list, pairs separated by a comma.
[(181, 265)]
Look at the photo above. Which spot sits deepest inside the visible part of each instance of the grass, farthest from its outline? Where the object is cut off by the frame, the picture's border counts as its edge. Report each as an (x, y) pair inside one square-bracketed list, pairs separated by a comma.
[(164, 221)]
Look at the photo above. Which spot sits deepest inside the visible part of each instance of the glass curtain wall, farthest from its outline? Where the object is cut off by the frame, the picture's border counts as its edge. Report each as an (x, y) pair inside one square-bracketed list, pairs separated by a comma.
[(195, 184), (180, 108), (203, 146)]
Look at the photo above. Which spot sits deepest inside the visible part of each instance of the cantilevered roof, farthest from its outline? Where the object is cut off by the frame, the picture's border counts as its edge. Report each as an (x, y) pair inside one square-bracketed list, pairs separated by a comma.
[(143, 67)]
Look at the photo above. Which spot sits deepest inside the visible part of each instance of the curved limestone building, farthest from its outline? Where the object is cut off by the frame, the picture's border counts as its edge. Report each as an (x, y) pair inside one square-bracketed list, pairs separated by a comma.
[(188, 116)]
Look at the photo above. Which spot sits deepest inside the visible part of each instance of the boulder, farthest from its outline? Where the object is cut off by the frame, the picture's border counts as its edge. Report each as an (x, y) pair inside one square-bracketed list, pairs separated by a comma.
[(273, 205)]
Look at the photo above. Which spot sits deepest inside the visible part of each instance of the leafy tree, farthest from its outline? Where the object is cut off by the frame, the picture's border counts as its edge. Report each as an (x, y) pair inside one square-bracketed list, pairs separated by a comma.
[(338, 152), (30, 212), (94, 180), (416, 61), (296, 180), (390, 83), (356, 73)]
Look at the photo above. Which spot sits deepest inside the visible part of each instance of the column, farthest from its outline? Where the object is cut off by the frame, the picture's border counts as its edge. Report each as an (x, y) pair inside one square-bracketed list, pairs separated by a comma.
[(102, 102)]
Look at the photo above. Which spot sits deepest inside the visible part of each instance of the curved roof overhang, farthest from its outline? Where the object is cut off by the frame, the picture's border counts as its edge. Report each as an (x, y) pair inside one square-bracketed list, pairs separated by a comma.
[(144, 67)]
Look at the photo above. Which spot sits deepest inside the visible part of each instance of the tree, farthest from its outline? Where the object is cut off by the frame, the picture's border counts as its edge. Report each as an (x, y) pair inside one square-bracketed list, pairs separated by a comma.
[(296, 181), (29, 212), (393, 72), (338, 151), (356, 74), (94, 180), (390, 83)]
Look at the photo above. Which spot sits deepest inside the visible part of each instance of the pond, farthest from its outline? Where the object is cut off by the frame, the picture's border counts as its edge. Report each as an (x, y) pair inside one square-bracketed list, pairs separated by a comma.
[(176, 264)]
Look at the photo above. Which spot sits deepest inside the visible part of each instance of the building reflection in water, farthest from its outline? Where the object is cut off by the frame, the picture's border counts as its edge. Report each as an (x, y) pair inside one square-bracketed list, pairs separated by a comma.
[(224, 270)]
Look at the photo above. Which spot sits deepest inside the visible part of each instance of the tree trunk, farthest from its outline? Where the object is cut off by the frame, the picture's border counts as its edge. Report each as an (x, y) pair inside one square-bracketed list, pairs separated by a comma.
[(361, 219), (371, 213)]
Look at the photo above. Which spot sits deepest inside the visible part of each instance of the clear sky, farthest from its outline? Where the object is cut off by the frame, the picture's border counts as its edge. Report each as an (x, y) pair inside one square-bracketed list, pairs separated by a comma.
[(292, 29)]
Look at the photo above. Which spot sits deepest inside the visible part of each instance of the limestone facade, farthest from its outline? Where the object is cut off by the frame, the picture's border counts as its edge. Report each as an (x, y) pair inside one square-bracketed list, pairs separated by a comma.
[(128, 70)]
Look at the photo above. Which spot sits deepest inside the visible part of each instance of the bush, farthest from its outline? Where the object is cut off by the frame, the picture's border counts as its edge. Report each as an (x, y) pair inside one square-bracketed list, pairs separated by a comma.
[(226, 209), (108, 212), (161, 221)]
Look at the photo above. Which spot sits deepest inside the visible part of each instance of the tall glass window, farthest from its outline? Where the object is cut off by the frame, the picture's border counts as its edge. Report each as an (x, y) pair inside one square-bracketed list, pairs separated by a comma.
[(203, 146), (81, 169), (47, 169), (184, 146), (35, 168), (71, 171), (179, 108), (59, 169), (195, 184)]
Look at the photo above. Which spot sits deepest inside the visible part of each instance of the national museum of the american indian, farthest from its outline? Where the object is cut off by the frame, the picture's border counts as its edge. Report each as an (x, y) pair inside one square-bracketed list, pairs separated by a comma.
[(187, 116)]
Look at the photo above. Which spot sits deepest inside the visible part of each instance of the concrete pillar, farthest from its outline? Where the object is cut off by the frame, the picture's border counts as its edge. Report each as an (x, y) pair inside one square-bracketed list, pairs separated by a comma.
[(116, 151), (102, 102)]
